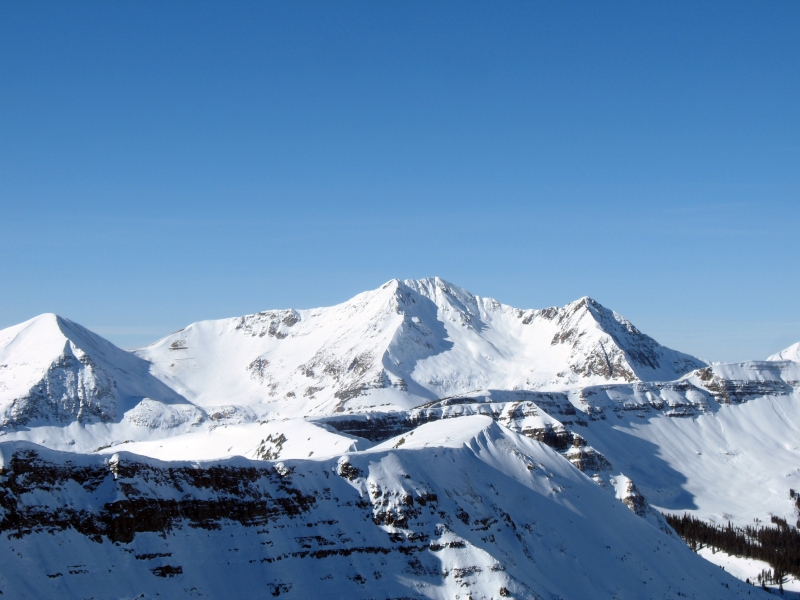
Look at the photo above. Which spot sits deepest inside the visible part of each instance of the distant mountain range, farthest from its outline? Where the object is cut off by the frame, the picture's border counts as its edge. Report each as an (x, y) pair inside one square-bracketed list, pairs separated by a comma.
[(402, 344), (451, 423)]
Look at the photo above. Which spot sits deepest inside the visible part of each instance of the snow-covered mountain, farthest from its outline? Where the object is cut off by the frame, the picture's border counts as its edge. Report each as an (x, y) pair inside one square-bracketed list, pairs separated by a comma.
[(392, 380), (397, 346), (53, 371), (406, 341), (790, 353)]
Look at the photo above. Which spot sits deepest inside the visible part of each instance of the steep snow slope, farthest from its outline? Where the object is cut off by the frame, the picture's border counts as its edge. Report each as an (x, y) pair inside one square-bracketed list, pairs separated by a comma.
[(733, 458), (721, 443), (54, 371), (790, 353), (402, 343), (466, 508)]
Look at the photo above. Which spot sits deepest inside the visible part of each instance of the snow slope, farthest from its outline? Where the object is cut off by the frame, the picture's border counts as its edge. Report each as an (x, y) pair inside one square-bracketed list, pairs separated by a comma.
[(737, 463), (748, 568), (466, 508), (721, 443)]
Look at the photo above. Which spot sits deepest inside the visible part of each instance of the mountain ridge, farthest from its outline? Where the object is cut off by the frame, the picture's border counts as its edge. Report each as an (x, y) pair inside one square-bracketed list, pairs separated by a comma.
[(415, 338)]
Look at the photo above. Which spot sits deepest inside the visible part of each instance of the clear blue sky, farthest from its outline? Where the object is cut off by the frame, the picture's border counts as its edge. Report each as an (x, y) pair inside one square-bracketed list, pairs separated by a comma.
[(166, 162)]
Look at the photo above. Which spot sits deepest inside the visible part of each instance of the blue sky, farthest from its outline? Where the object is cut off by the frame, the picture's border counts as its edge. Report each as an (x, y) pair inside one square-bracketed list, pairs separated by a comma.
[(166, 162)]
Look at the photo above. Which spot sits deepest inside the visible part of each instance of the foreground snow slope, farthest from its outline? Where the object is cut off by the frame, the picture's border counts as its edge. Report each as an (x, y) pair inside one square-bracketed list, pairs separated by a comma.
[(735, 464), (722, 443), (402, 343), (465, 509)]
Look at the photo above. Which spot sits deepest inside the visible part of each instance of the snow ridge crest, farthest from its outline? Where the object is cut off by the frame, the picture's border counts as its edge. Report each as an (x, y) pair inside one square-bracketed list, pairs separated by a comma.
[(403, 344)]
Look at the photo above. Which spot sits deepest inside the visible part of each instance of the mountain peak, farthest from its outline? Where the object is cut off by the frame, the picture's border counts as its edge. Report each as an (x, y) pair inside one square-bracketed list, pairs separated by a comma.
[(431, 286), (790, 353), (606, 344), (57, 371), (406, 342), (31, 339)]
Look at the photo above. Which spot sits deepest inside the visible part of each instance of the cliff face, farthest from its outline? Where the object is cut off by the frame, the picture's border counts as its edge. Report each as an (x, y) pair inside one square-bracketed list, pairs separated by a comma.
[(465, 507), (72, 388)]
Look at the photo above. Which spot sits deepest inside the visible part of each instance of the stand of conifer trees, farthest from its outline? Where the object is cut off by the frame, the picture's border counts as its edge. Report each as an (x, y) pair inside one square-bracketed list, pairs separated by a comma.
[(779, 545)]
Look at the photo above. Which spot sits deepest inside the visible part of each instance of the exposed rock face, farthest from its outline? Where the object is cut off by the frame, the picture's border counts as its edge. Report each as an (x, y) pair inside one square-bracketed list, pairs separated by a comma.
[(699, 392), (273, 323), (258, 370), (674, 399), (147, 499), (73, 388), (737, 391), (586, 458), (270, 447), (630, 496)]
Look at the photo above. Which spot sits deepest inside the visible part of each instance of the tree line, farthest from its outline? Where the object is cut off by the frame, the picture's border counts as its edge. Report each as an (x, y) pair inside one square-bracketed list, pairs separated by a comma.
[(777, 544)]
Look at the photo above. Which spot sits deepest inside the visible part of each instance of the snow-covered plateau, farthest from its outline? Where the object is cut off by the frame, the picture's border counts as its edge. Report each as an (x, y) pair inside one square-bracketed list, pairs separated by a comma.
[(416, 441)]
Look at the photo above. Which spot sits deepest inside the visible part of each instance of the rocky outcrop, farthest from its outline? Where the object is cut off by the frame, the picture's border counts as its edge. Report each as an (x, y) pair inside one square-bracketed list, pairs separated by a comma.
[(521, 416), (272, 323), (140, 496), (628, 494), (585, 458), (738, 391)]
